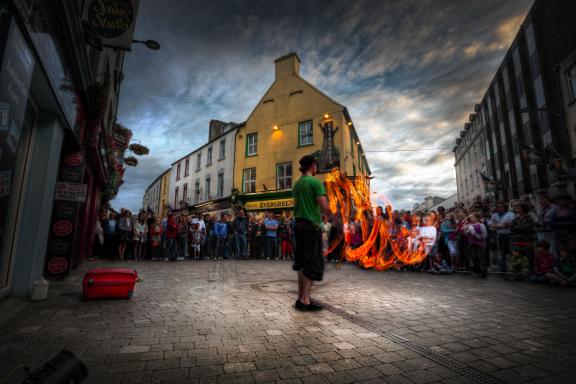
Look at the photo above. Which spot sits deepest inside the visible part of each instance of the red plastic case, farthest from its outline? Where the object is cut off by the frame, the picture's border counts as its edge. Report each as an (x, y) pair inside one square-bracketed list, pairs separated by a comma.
[(109, 283)]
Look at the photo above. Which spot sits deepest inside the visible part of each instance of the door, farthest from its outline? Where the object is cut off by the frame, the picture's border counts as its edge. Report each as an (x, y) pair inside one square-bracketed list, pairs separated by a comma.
[(14, 157)]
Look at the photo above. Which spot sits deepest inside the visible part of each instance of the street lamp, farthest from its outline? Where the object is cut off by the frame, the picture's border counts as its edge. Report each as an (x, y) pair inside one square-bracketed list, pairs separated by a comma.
[(150, 44)]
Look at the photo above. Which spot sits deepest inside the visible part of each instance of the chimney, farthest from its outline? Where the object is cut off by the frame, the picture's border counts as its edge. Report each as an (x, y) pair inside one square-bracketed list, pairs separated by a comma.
[(287, 65), (216, 129)]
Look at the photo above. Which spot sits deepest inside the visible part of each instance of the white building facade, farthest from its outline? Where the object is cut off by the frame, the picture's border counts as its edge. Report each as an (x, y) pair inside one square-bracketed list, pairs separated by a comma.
[(206, 174), (152, 196)]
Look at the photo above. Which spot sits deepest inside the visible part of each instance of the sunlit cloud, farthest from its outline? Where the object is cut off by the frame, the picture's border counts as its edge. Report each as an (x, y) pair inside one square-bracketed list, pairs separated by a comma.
[(408, 71)]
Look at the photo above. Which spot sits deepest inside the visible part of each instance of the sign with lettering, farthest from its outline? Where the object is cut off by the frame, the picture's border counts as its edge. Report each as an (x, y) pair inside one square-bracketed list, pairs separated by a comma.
[(269, 204), (57, 265), (112, 21), (71, 191), (62, 228)]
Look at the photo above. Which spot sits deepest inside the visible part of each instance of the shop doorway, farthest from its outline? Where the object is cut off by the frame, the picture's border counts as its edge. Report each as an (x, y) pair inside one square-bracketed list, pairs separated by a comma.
[(14, 158)]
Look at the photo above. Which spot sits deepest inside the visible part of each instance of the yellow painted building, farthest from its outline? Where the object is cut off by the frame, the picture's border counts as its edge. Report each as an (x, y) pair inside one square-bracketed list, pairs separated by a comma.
[(292, 119), (164, 193)]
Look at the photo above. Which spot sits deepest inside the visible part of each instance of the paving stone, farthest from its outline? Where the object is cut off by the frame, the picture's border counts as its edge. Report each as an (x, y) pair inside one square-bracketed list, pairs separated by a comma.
[(184, 315)]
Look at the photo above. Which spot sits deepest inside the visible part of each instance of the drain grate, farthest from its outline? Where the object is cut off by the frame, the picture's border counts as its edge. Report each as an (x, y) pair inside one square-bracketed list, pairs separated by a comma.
[(454, 365)]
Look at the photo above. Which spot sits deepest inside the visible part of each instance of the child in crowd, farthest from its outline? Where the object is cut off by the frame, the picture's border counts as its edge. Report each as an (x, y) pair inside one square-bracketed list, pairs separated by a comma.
[(564, 272), (195, 239), (440, 266), (476, 234), (427, 234), (156, 239), (543, 262)]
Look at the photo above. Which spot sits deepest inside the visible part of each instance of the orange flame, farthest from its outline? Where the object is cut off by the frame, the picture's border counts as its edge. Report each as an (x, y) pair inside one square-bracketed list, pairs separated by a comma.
[(379, 249)]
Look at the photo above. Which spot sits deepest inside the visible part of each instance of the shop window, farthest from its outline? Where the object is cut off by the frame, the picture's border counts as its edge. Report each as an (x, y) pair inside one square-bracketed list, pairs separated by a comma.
[(252, 144), (305, 133), (284, 176), (249, 180)]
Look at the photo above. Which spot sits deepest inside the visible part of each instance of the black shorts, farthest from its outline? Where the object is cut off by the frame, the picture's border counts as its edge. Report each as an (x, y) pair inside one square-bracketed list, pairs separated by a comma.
[(308, 255)]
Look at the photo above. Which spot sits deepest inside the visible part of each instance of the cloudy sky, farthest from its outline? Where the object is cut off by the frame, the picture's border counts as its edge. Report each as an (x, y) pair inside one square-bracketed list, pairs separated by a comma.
[(409, 71)]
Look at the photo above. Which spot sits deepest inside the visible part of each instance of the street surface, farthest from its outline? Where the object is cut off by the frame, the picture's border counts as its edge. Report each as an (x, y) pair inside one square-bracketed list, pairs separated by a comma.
[(234, 322)]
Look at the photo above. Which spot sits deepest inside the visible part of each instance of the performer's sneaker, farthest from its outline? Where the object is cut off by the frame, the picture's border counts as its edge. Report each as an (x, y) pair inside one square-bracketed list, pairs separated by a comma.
[(307, 307)]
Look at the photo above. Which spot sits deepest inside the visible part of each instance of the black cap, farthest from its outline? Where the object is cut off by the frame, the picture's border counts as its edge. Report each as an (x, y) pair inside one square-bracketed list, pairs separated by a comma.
[(307, 161)]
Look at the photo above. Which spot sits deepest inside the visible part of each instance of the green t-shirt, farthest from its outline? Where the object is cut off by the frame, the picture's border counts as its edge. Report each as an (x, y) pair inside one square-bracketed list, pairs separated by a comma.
[(305, 190)]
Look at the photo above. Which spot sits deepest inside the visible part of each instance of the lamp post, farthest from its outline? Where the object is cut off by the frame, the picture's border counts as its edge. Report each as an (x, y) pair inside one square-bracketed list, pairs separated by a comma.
[(150, 44)]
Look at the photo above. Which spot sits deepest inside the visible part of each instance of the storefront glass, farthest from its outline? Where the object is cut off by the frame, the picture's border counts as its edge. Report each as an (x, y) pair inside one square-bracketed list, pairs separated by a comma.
[(16, 120)]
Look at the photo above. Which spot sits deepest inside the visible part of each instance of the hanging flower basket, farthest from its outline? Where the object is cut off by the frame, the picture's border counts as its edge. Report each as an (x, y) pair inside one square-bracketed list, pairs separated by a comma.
[(139, 149), (131, 161)]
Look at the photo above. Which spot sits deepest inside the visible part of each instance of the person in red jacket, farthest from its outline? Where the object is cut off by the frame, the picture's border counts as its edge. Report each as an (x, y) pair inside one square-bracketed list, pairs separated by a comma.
[(171, 234)]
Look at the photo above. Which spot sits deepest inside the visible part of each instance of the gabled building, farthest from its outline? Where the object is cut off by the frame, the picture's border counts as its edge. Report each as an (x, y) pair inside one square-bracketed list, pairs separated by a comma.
[(292, 119), (202, 180)]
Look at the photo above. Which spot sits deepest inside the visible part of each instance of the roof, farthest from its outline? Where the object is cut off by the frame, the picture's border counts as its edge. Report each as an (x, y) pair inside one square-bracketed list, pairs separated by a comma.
[(235, 127)]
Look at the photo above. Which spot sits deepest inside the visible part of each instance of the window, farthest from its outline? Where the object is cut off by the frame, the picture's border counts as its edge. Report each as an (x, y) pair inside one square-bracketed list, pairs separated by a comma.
[(178, 172), (222, 149), (220, 185), (176, 197), (305, 134), (209, 157), (249, 177), (207, 191), (572, 82), (284, 176), (252, 144), (186, 166), (185, 192), (197, 191), (198, 161)]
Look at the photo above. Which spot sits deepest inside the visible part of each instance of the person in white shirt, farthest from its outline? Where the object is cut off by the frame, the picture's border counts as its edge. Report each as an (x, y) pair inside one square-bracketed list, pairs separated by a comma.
[(427, 236), (196, 234)]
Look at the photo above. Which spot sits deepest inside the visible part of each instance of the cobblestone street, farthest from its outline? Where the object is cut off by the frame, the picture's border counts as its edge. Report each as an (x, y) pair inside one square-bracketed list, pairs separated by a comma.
[(234, 322)]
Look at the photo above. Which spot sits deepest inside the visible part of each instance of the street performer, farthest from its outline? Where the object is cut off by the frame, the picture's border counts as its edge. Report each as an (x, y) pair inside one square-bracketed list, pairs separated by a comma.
[(309, 202)]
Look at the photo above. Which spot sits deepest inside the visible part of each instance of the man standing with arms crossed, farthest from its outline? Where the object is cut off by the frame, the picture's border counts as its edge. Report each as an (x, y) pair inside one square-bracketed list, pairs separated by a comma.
[(309, 202)]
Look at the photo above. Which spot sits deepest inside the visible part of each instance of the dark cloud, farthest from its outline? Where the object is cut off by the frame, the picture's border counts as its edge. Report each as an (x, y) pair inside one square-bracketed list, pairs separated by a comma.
[(409, 71)]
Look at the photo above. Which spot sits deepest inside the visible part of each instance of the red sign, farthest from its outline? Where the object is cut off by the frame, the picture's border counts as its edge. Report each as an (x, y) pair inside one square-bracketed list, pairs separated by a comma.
[(62, 228), (57, 265), (73, 159)]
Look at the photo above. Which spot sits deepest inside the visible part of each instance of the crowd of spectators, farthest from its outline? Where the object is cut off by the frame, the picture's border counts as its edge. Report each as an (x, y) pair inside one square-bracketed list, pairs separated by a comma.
[(183, 236), (517, 239)]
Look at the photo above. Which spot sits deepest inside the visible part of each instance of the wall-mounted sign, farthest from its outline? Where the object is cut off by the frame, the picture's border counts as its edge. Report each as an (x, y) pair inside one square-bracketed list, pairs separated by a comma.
[(112, 21), (71, 191), (62, 228), (73, 159), (269, 204), (57, 265)]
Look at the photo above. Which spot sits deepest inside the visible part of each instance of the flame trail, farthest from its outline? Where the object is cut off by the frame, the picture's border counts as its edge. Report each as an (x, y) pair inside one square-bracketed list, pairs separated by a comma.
[(379, 249)]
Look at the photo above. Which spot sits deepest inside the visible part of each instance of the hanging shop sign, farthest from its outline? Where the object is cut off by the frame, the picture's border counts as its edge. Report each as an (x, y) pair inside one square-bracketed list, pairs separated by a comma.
[(269, 204), (71, 192), (111, 21)]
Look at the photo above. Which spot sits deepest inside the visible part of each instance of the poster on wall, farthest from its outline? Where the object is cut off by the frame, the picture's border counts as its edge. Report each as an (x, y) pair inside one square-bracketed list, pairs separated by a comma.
[(111, 21), (71, 191), (69, 194)]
